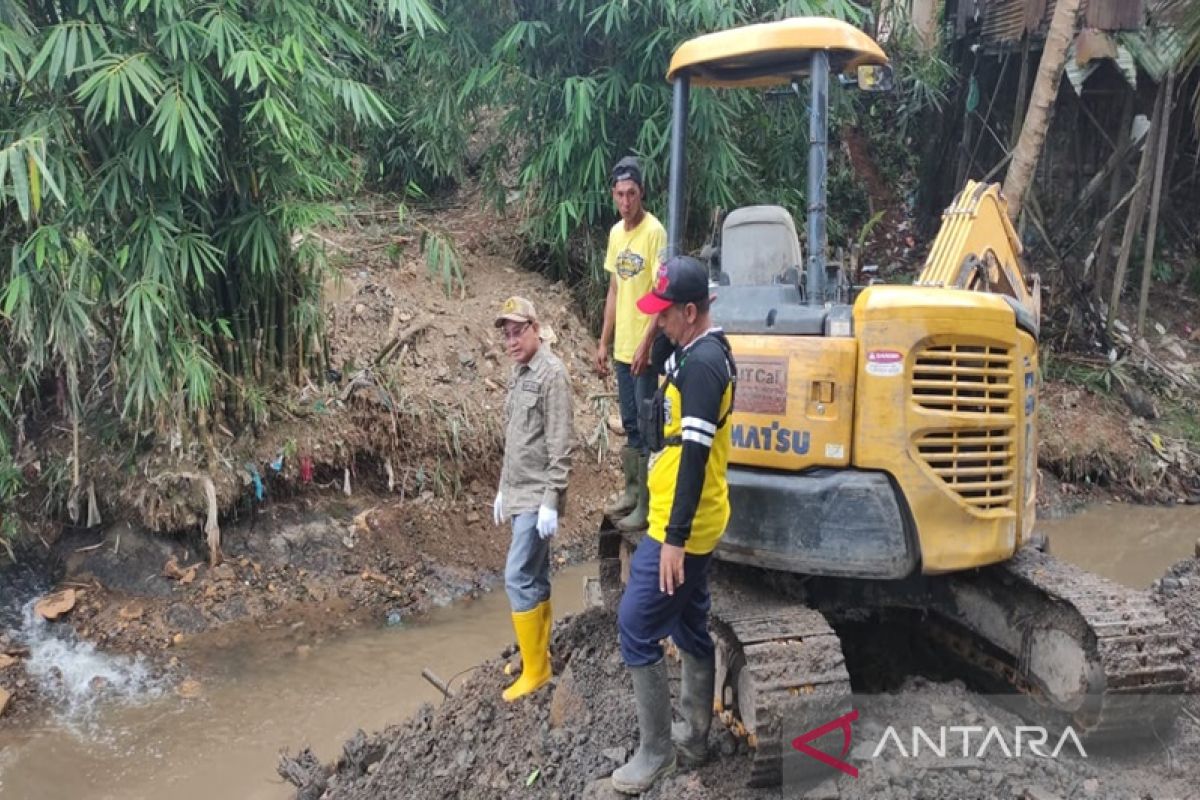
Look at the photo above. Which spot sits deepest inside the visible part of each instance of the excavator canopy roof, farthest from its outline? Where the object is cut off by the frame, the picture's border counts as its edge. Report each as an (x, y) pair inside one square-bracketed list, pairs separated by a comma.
[(772, 52)]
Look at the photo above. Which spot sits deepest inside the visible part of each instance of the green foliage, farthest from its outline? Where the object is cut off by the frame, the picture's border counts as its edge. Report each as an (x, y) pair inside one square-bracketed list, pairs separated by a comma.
[(160, 165), (894, 123), (443, 264), (576, 85), (1103, 378)]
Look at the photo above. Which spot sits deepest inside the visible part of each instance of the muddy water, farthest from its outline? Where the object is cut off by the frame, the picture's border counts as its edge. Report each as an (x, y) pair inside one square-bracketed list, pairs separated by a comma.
[(1132, 545), (256, 701)]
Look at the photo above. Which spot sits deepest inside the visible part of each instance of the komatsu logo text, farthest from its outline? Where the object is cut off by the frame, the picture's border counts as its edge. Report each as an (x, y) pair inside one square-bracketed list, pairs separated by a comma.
[(770, 437)]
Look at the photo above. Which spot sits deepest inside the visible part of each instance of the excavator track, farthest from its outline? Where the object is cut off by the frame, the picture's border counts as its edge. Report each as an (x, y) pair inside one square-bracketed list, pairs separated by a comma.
[(1104, 654), (780, 668)]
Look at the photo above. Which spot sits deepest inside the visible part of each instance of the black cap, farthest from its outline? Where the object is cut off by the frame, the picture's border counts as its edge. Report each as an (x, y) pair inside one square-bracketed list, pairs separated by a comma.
[(681, 279), (627, 169)]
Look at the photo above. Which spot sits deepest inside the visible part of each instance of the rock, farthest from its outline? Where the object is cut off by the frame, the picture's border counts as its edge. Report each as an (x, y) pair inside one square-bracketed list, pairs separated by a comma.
[(600, 789), (614, 754), (4, 698), (131, 611), (223, 572), (567, 704), (53, 606), (189, 689), (974, 775), (940, 711), (6, 660), (826, 790), (1091, 786), (303, 650), (186, 618), (231, 609)]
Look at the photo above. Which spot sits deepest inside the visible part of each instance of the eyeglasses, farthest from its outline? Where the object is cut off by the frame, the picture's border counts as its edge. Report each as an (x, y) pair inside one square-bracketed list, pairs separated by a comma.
[(509, 334)]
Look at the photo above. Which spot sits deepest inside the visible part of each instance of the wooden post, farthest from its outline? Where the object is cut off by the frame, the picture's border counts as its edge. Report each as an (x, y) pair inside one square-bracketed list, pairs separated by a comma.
[(1155, 196), (1022, 91), (1137, 209), (1104, 254)]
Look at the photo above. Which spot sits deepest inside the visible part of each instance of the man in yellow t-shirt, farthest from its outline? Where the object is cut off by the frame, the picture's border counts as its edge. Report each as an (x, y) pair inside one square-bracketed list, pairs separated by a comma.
[(634, 245)]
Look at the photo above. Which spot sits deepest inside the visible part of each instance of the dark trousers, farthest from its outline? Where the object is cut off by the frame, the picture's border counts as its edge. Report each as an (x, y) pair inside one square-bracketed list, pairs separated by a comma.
[(647, 615), (631, 389)]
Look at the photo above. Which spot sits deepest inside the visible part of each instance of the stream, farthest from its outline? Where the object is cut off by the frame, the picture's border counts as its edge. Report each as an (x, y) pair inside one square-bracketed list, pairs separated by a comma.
[(255, 701), (260, 697)]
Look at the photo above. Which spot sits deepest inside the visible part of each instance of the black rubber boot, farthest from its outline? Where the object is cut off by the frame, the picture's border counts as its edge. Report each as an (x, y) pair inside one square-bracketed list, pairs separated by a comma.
[(655, 756), (696, 707)]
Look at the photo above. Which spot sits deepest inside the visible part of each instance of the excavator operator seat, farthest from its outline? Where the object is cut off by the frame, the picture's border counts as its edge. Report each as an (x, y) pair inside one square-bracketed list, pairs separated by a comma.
[(759, 247)]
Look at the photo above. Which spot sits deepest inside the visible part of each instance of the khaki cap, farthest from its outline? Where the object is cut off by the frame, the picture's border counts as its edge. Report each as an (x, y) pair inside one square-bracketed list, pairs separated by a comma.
[(516, 309)]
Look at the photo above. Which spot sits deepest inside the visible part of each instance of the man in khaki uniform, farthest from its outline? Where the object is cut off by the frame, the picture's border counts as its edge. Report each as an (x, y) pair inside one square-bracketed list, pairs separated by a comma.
[(533, 483)]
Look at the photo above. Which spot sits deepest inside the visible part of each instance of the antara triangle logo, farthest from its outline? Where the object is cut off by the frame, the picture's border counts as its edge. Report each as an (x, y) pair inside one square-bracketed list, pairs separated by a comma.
[(843, 722)]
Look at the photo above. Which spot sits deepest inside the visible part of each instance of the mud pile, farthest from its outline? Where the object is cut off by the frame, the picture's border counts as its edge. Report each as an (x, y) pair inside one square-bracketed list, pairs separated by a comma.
[(565, 740), (1179, 592)]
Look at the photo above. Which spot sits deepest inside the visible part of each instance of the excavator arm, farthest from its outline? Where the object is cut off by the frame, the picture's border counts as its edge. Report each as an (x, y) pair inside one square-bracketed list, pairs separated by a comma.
[(978, 249)]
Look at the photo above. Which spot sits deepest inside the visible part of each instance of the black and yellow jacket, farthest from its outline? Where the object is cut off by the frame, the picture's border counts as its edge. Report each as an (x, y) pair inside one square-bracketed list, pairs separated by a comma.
[(689, 498)]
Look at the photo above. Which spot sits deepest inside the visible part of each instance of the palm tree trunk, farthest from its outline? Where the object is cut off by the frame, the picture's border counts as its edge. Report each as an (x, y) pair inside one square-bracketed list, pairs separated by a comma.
[(1041, 104)]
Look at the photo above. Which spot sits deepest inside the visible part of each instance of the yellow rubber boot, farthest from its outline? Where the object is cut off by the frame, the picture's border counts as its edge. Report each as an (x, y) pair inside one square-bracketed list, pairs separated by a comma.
[(533, 637)]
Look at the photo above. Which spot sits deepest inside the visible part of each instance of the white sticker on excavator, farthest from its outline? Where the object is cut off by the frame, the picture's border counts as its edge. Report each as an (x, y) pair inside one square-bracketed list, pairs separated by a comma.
[(885, 363), (834, 451)]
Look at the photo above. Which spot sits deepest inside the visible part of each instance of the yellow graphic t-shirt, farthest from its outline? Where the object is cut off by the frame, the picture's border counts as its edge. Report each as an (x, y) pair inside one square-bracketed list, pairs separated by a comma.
[(633, 258)]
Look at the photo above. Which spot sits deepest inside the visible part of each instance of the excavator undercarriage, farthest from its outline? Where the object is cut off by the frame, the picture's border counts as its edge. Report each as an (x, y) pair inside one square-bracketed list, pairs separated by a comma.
[(1099, 655)]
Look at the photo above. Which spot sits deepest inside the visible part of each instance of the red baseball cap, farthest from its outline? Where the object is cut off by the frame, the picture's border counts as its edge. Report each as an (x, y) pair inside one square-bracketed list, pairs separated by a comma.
[(680, 279)]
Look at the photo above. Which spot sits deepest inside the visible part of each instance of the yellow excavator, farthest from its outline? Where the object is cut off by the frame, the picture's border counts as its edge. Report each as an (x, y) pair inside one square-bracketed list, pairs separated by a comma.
[(884, 437)]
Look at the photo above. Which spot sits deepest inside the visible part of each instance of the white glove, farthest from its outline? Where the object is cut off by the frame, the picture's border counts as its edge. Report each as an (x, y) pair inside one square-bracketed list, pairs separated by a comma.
[(498, 508), (547, 524)]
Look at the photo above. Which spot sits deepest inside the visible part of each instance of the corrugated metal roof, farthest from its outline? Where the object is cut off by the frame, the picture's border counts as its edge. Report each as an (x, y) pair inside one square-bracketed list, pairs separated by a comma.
[(1006, 21), (1003, 21), (1115, 15)]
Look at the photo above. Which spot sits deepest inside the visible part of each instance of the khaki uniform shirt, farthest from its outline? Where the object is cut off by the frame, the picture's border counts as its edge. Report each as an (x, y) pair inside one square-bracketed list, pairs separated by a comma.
[(537, 445)]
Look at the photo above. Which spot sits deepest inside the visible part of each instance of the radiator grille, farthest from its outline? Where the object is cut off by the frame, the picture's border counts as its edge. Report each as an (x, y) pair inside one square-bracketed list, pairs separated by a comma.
[(973, 384), (976, 465), (964, 379)]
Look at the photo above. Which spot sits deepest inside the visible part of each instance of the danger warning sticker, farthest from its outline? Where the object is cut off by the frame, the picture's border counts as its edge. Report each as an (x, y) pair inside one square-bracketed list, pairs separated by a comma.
[(885, 363)]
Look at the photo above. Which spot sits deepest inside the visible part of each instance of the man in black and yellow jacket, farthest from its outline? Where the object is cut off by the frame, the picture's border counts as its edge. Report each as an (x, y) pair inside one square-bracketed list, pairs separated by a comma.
[(667, 592)]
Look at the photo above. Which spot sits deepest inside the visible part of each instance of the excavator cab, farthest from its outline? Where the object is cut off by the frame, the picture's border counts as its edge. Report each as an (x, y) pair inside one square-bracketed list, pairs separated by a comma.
[(855, 450)]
